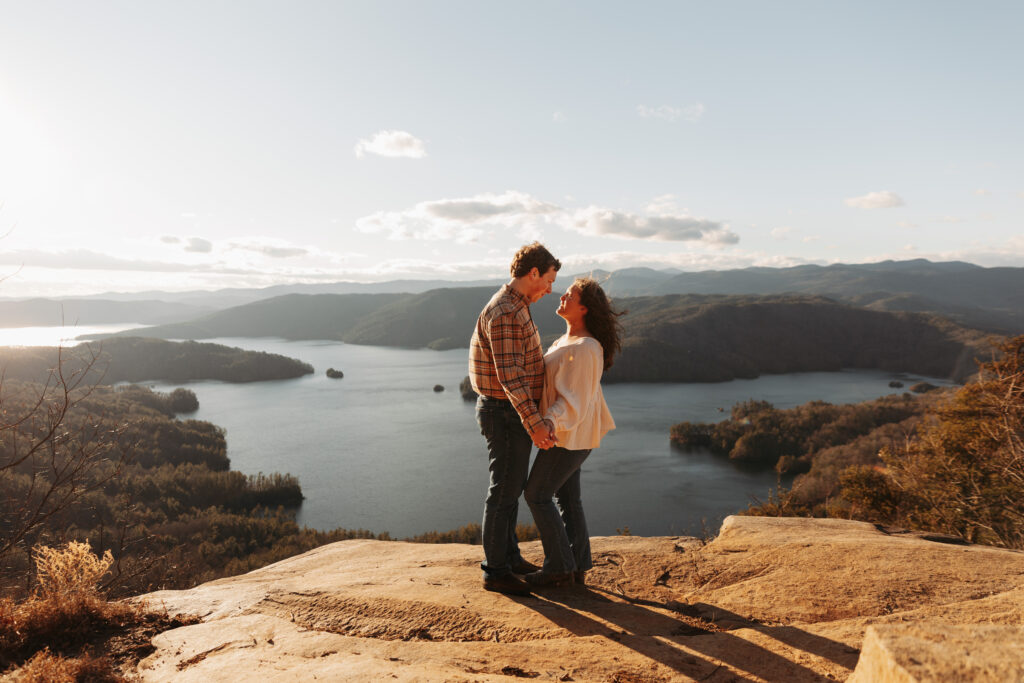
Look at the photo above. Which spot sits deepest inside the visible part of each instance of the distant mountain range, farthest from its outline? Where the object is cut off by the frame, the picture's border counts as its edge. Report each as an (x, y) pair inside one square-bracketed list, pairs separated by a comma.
[(986, 298), (440, 318), (990, 299), (71, 312), (673, 337)]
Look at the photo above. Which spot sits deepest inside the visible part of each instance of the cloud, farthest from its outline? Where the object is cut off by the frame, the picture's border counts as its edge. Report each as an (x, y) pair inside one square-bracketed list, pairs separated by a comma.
[(599, 221), (665, 203), (1008, 253), (466, 220), (683, 260), (84, 259), (558, 117), (198, 245), (780, 233), (691, 113), (906, 224), (170, 239), (392, 143), (460, 219), (271, 250), (982, 192), (875, 200)]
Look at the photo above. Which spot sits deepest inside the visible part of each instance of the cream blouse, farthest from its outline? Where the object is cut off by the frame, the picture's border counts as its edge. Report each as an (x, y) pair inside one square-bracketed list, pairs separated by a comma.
[(572, 398)]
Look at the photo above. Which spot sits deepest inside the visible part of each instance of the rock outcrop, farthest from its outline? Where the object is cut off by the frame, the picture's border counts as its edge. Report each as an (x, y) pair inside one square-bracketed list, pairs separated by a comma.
[(769, 599)]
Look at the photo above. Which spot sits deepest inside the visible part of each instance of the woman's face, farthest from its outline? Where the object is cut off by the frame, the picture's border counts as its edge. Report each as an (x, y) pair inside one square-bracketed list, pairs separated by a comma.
[(569, 306)]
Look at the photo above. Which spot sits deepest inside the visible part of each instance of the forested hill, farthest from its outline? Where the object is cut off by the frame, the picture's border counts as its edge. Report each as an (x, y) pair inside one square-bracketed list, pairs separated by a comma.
[(133, 359), (986, 298), (440, 318), (293, 316), (693, 338), (678, 338)]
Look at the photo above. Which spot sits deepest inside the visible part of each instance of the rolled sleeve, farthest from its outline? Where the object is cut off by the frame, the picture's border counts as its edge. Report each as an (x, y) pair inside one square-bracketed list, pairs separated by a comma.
[(509, 343)]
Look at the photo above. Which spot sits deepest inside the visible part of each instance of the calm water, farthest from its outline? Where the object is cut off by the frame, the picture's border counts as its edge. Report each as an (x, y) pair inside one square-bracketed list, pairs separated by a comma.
[(380, 450), (56, 336)]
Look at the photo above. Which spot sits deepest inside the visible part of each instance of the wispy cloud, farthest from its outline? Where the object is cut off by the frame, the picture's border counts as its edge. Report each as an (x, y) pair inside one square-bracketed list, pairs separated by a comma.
[(462, 220), (683, 260), (85, 259), (666, 112), (272, 250), (466, 220), (1005, 253), (599, 221), (782, 232), (665, 203), (392, 143), (170, 239), (875, 200), (982, 192), (559, 117), (198, 245)]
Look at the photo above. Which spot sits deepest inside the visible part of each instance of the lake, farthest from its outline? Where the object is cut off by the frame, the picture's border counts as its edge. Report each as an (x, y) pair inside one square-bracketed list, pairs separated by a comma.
[(380, 450), (56, 336)]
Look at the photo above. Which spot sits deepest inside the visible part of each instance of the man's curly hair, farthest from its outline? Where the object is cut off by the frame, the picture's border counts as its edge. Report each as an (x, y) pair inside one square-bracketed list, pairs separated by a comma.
[(531, 256)]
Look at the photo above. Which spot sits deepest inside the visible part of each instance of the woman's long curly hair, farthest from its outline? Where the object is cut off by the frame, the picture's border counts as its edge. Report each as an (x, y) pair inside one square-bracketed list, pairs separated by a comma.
[(601, 319)]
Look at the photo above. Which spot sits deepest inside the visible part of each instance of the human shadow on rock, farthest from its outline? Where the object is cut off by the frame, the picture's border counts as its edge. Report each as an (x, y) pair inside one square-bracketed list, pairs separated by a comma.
[(635, 625)]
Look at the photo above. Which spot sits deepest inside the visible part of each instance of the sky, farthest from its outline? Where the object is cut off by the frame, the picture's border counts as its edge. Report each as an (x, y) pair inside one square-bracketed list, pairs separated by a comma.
[(199, 145)]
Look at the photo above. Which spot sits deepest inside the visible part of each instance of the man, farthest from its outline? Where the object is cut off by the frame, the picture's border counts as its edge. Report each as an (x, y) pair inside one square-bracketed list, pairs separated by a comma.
[(506, 368)]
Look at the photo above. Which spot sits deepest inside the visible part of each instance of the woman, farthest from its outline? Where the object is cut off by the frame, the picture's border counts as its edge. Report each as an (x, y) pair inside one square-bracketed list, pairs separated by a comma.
[(574, 407)]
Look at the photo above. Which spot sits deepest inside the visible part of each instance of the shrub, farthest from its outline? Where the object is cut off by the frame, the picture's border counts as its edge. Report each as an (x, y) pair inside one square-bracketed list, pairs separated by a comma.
[(69, 571), (67, 612), (964, 473), (46, 667)]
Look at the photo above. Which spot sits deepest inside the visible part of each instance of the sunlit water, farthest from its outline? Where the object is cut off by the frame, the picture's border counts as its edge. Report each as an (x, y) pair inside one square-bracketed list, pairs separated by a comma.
[(380, 450), (56, 336)]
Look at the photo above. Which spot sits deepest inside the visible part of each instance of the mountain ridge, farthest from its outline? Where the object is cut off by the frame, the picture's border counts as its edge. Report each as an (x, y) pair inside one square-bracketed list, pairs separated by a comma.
[(986, 298)]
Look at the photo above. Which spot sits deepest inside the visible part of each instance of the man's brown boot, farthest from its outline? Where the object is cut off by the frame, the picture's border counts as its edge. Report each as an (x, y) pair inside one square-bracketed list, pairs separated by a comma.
[(507, 584)]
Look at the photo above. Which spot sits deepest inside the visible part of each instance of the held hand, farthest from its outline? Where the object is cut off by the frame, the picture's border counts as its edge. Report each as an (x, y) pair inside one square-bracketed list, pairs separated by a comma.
[(544, 435), (540, 436), (551, 429)]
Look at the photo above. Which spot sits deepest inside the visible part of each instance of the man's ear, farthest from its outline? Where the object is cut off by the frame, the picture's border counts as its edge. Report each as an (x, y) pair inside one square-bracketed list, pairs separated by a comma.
[(535, 272)]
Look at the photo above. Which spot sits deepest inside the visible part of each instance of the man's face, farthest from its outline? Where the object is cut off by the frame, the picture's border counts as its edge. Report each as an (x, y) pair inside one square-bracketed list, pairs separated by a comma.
[(541, 283)]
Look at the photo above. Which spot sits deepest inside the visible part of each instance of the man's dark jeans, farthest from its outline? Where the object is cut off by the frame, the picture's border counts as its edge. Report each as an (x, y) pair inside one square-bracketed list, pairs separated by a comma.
[(508, 450)]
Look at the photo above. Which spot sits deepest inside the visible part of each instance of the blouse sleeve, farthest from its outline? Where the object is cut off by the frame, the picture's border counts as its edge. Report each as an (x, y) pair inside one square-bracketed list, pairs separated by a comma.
[(576, 381)]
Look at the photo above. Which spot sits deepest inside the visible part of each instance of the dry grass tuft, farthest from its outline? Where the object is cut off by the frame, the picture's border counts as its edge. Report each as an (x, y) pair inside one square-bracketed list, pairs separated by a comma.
[(46, 667), (66, 613), (71, 571)]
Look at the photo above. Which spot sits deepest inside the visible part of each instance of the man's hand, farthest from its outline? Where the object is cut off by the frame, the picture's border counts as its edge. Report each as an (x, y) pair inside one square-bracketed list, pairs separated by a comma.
[(544, 435)]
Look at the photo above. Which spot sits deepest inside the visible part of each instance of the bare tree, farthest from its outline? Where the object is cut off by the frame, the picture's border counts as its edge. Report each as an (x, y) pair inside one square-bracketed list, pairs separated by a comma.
[(54, 450)]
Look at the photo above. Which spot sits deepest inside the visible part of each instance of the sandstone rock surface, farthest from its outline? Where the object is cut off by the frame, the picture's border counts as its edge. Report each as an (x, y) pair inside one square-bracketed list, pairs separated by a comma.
[(939, 652), (769, 599)]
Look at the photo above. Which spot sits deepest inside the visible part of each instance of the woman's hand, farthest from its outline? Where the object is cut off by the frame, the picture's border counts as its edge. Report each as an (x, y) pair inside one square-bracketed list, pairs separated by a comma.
[(544, 436)]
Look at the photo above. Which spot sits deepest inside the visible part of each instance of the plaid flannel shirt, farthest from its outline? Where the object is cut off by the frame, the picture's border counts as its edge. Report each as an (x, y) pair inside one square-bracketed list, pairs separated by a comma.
[(505, 358)]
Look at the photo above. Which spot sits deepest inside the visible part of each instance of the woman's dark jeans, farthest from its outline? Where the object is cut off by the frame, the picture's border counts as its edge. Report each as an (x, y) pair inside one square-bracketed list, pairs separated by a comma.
[(553, 488), (508, 450)]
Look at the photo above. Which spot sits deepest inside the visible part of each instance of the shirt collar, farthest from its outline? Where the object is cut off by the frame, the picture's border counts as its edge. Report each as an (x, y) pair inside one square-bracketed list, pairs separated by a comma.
[(516, 295)]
